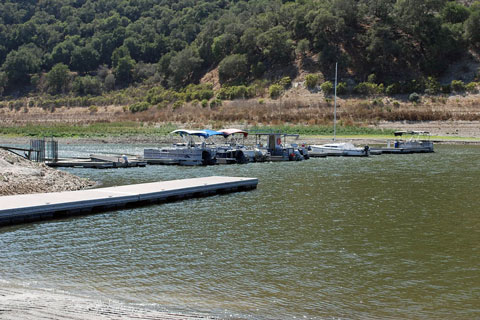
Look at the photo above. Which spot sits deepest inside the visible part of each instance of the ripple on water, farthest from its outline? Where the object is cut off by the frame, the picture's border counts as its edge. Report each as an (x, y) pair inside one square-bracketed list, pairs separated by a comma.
[(379, 237)]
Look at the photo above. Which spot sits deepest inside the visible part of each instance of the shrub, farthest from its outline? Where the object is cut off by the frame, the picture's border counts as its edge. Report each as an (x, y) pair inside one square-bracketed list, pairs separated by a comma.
[(311, 81), (432, 86), (285, 82), (139, 107), (368, 88), (87, 85), (446, 88), (177, 104), (275, 91), (195, 102), (414, 97), (341, 88), (396, 104), (93, 109), (458, 86), (327, 87), (204, 103), (236, 92), (472, 87), (261, 101), (215, 103), (394, 88)]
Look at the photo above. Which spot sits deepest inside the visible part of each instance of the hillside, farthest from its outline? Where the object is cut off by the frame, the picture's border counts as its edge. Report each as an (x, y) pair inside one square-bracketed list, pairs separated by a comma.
[(88, 48)]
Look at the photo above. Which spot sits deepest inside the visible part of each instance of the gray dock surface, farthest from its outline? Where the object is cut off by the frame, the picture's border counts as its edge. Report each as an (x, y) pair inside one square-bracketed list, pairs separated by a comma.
[(31, 207)]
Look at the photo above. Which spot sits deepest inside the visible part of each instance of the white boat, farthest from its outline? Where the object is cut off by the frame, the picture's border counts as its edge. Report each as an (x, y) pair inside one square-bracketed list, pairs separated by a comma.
[(345, 149), (188, 153), (409, 142)]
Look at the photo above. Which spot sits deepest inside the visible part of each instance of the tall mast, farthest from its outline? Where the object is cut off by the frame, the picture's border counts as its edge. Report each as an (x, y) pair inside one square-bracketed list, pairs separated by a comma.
[(335, 106)]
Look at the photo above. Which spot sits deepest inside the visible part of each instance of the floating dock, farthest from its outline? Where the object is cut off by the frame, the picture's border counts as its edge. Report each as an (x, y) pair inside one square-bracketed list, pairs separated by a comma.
[(97, 162), (40, 206)]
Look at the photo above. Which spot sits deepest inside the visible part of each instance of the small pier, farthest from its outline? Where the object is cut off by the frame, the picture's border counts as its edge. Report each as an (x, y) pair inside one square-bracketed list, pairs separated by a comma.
[(97, 162), (41, 206)]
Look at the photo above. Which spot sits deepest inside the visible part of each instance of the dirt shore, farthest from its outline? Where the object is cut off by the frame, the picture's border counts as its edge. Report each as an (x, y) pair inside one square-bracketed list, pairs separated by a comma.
[(21, 176), (21, 303)]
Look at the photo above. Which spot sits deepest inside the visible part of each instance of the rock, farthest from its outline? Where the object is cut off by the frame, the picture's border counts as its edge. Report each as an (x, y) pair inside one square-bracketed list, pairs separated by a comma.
[(20, 176)]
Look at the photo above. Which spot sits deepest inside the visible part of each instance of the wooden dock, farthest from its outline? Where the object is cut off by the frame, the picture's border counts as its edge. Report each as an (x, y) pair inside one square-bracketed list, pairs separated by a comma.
[(33, 207)]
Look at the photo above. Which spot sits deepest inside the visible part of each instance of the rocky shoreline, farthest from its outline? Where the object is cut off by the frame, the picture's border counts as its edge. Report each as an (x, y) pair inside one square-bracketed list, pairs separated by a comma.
[(21, 176)]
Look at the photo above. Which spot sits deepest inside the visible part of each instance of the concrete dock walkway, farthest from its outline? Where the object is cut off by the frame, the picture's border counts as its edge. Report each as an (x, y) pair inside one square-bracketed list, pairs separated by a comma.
[(30, 207)]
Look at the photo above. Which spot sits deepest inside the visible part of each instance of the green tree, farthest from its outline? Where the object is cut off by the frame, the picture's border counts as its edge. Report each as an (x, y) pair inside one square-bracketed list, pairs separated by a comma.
[(223, 45), (20, 64), (87, 85), (454, 12), (3, 82), (124, 70), (184, 66), (276, 45), (84, 59), (58, 79), (303, 46), (472, 27), (233, 68)]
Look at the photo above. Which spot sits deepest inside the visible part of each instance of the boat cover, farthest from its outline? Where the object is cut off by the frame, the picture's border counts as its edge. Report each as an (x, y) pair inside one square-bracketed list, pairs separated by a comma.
[(212, 132), (227, 132), (199, 133)]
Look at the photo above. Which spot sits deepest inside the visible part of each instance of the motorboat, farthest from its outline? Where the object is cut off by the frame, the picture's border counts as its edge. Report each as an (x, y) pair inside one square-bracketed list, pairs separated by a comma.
[(277, 149), (344, 149), (233, 150), (188, 153), (409, 142)]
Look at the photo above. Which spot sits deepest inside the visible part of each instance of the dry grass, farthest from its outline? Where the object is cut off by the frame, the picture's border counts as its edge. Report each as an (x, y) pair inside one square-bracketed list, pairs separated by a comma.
[(296, 109)]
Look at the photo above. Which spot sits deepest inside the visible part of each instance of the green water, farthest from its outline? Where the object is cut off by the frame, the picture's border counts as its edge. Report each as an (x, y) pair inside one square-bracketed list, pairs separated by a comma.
[(391, 236)]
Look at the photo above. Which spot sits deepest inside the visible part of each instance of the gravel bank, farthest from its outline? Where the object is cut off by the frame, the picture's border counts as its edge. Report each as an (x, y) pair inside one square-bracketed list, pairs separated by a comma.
[(21, 176)]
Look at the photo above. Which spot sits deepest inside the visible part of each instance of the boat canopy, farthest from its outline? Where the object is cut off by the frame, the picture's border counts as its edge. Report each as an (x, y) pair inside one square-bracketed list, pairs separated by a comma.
[(212, 132), (401, 133), (228, 132), (198, 133)]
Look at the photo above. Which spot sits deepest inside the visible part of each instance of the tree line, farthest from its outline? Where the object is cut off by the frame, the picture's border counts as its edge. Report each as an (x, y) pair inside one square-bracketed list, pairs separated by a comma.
[(92, 46)]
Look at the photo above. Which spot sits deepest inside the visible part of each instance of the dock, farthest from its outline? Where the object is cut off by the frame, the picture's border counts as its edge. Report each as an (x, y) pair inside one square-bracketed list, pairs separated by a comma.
[(97, 162), (41, 206)]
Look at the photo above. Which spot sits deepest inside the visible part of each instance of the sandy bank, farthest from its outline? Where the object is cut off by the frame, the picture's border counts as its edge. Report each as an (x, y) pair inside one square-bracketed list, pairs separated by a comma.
[(21, 176), (20, 303)]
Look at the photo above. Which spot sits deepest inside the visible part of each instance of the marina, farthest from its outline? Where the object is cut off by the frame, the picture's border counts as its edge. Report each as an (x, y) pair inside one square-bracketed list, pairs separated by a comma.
[(32, 207)]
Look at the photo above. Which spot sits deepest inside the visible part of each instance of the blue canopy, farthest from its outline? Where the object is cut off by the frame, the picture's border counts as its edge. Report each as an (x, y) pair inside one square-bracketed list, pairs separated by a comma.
[(199, 133), (212, 133)]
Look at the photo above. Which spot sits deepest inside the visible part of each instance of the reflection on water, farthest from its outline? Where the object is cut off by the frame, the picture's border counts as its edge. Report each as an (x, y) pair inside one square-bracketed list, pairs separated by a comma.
[(388, 236)]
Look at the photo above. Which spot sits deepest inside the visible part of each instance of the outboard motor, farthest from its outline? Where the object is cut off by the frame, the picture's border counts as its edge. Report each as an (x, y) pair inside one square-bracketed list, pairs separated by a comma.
[(367, 150)]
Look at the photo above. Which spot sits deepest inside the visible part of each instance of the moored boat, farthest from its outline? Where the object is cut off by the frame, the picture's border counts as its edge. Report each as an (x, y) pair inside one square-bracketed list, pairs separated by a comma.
[(343, 149), (188, 153), (409, 142)]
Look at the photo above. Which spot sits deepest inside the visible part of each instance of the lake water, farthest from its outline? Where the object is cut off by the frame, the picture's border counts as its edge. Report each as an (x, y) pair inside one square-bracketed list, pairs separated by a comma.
[(391, 236)]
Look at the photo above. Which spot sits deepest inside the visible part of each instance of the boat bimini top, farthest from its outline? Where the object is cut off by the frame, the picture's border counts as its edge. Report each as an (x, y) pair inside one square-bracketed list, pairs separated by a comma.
[(199, 133), (229, 132), (401, 133)]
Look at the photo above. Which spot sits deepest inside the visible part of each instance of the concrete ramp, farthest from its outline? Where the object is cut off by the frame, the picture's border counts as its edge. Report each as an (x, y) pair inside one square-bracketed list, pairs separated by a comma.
[(39, 206)]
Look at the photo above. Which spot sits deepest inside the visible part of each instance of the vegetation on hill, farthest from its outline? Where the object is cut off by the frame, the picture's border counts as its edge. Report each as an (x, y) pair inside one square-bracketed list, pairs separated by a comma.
[(89, 47)]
